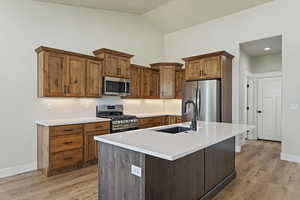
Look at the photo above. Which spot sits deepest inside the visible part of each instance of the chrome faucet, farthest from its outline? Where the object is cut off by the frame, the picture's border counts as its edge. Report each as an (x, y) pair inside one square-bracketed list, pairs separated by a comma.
[(195, 114)]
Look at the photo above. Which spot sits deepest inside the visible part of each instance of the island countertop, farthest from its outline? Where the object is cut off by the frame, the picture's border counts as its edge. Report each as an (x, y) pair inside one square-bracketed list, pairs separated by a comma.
[(174, 146)]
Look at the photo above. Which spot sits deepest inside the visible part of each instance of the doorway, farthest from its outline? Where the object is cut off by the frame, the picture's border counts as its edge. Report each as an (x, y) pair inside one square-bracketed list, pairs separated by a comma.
[(261, 86)]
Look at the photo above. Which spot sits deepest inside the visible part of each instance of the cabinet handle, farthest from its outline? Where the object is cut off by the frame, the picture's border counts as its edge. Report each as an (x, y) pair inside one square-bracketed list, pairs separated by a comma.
[(68, 130), (65, 89), (68, 158), (99, 127), (68, 142)]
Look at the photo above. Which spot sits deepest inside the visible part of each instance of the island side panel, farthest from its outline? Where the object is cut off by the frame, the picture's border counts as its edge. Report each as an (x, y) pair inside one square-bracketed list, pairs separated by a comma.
[(219, 163), (175, 180), (115, 179)]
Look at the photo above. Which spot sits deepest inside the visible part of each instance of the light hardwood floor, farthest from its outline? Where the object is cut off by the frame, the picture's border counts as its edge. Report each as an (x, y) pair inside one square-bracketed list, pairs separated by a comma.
[(261, 176)]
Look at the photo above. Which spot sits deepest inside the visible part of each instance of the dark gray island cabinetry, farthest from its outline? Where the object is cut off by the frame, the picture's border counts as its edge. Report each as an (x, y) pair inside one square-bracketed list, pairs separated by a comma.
[(130, 175)]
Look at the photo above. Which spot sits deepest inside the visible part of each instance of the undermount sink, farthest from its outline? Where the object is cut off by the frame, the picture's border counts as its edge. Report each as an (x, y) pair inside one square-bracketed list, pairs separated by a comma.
[(174, 130)]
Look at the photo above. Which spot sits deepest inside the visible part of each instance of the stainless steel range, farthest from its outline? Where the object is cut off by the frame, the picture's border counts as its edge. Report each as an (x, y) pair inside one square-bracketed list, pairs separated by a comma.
[(119, 121)]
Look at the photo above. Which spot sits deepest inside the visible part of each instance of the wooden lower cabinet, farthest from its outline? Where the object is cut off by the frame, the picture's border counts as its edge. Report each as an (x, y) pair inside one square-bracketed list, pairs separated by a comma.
[(91, 147), (67, 147)]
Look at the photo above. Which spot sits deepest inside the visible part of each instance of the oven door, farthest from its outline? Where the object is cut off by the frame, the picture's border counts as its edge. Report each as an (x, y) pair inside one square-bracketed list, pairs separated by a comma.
[(116, 86)]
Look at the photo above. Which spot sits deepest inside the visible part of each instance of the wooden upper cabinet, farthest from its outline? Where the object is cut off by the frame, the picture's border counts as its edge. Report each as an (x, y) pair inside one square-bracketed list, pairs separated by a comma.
[(93, 78), (76, 77), (193, 70), (112, 65), (124, 67), (145, 83), (208, 66), (211, 67), (116, 63), (167, 72), (64, 74), (154, 84), (179, 78), (136, 81), (52, 67)]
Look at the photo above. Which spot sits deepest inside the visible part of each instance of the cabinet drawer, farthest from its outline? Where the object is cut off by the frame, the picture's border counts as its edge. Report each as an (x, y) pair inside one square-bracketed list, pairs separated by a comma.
[(97, 126), (66, 142), (67, 158), (151, 120), (66, 130)]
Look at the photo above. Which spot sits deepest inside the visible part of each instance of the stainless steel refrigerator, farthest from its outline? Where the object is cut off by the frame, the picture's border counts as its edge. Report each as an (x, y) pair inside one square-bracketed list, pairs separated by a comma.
[(207, 96)]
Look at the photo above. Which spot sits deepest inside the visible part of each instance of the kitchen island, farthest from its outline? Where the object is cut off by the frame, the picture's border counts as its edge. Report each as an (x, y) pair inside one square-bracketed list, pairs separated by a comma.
[(151, 165)]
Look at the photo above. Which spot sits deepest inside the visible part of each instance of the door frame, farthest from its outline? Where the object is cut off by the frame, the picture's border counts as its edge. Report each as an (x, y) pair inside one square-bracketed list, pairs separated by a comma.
[(252, 116)]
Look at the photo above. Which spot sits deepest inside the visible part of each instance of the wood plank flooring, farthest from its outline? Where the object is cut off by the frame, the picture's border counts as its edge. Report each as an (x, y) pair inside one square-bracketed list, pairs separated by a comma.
[(261, 176)]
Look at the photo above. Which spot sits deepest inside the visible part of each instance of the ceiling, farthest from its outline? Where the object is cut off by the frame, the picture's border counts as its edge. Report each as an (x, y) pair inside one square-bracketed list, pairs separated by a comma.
[(129, 6), (256, 48), (179, 14)]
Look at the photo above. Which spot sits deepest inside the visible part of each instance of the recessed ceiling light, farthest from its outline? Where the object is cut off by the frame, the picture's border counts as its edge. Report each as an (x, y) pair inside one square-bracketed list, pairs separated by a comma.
[(267, 49)]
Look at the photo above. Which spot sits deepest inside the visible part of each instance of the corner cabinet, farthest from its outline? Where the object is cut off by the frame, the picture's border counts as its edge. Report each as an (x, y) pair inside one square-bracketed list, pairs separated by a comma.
[(150, 83), (68, 74), (116, 63), (207, 66), (167, 73)]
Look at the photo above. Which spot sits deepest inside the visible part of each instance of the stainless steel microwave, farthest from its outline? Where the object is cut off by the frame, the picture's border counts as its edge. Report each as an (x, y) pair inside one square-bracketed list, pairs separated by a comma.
[(116, 86)]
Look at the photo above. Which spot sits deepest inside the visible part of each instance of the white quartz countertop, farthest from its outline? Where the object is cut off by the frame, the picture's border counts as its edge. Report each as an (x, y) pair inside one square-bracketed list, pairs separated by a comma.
[(174, 146), (145, 115), (60, 122)]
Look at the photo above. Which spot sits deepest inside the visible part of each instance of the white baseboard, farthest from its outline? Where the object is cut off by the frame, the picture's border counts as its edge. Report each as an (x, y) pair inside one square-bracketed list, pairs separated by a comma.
[(238, 149), (11, 171), (290, 157)]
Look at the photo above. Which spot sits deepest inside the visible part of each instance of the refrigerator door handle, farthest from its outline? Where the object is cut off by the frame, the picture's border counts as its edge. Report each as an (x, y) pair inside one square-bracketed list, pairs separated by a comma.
[(197, 92), (199, 109)]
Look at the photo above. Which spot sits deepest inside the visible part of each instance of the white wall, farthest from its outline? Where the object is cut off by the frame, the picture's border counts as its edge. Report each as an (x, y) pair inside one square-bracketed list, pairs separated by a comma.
[(267, 63), (276, 18), (25, 25)]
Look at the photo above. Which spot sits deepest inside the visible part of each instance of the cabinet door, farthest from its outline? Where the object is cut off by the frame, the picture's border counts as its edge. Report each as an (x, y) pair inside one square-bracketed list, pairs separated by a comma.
[(124, 67), (219, 162), (91, 146), (179, 78), (112, 65), (193, 70), (94, 78), (211, 67), (167, 82), (146, 83), (135, 77), (154, 84), (55, 68), (76, 76)]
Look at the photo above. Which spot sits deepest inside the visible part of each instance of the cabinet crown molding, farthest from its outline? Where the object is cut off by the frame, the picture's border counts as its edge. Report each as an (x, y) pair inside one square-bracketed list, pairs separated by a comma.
[(114, 52), (49, 49), (166, 64), (218, 53)]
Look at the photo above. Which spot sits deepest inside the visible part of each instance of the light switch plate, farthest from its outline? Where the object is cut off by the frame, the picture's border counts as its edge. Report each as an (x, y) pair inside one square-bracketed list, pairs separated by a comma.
[(135, 170)]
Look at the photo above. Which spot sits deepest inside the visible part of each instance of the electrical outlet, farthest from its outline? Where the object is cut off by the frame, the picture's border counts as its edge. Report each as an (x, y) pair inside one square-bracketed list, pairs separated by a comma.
[(137, 171)]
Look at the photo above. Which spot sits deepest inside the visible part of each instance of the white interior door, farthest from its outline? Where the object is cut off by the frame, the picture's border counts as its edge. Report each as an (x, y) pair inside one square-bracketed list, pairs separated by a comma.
[(269, 109)]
